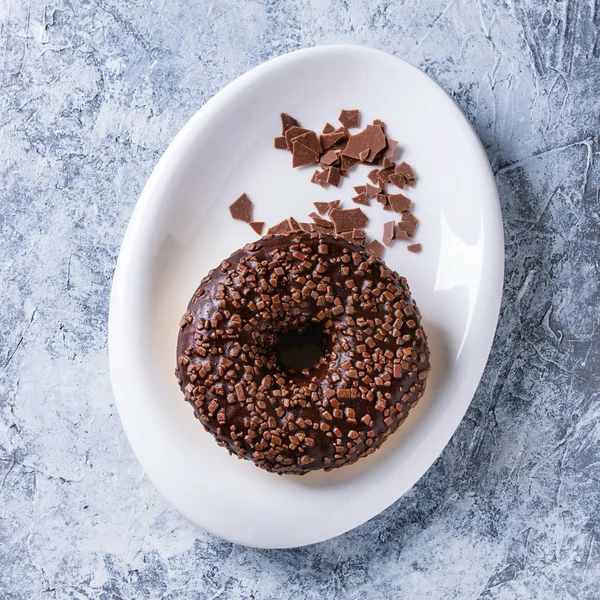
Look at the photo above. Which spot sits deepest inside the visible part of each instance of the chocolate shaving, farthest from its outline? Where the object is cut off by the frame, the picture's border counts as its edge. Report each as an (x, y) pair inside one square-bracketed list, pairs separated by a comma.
[(311, 140), (373, 176), (328, 140), (361, 199), (371, 138), (241, 209), (293, 132), (322, 207), (287, 122), (280, 143), (398, 180), (388, 232), (399, 202), (375, 248), (352, 218), (330, 158), (414, 248), (333, 176), (390, 150), (258, 226), (303, 155), (349, 118)]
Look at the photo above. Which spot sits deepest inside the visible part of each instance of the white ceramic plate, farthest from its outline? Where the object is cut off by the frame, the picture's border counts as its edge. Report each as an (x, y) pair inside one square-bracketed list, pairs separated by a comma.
[(181, 228)]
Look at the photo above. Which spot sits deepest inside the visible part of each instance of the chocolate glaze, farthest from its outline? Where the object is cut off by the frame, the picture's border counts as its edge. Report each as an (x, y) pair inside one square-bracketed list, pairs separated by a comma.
[(373, 369)]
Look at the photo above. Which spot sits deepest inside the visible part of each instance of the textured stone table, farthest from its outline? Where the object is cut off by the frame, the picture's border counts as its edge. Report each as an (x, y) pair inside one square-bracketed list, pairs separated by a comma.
[(91, 93)]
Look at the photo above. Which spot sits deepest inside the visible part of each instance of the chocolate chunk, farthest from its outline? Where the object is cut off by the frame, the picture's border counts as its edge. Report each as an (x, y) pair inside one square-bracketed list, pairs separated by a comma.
[(329, 128), (349, 118), (363, 155), (311, 140), (294, 225), (293, 132), (283, 227), (387, 163), (361, 199), (382, 199), (287, 122), (330, 158), (399, 202), (375, 248), (388, 232), (359, 234), (352, 218), (322, 207), (360, 189), (348, 163), (280, 143), (257, 226), (400, 234), (409, 223), (347, 235), (303, 155), (406, 170), (328, 140), (414, 248), (306, 226), (387, 207), (333, 176), (319, 177), (241, 209), (373, 176), (397, 179), (371, 138), (390, 149)]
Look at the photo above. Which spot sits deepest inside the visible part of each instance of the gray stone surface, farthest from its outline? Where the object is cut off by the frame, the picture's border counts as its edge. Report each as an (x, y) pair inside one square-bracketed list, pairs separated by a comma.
[(91, 93)]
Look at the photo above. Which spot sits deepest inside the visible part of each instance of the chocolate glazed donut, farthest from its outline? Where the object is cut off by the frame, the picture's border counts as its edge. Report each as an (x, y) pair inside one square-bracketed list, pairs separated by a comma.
[(373, 368)]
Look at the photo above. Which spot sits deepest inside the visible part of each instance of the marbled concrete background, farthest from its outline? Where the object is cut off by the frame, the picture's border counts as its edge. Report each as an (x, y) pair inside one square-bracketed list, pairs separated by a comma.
[(91, 93)]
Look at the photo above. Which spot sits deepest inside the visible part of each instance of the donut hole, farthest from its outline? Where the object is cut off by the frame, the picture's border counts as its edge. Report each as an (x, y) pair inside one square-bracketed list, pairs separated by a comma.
[(302, 349)]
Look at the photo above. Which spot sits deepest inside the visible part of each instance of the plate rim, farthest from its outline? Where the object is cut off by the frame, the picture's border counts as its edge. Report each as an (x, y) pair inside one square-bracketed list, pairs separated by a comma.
[(494, 229)]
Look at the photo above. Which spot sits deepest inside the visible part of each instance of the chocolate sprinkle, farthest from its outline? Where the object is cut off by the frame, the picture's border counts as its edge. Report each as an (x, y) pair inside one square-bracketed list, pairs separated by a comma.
[(373, 370)]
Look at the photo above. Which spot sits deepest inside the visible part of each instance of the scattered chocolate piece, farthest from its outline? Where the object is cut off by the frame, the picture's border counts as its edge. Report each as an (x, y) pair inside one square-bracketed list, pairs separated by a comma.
[(306, 226), (360, 189), (328, 140), (329, 128), (399, 202), (359, 234), (311, 140), (293, 132), (363, 155), (241, 209), (375, 248), (333, 176), (303, 155), (398, 180), (409, 223), (371, 138), (321, 222), (406, 170), (280, 143), (387, 207), (361, 199), (258, 226), (380, 123), (330, 158), (287, 122), (388, 232), (371, 190), (384, 174), (352, 218), (382, 199), (294, 225), (283, 227), (414, 248), (390, 150), (333, 204), (373, 176), (322, 207), (400, 234), (387, 163), (348, 163), (319, 177), (349, 118)]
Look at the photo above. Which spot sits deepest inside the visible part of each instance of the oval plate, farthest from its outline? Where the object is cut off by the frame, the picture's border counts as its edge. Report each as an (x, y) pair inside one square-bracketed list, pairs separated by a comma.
[(181, 228)]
